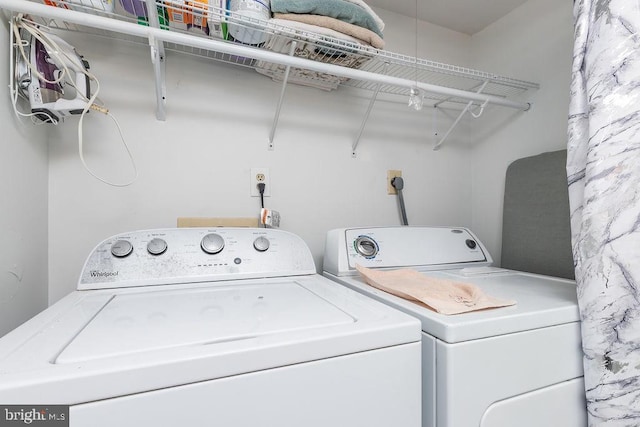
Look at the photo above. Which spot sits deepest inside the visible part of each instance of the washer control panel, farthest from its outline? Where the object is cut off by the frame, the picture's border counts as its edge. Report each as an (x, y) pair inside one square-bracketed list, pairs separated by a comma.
[(187, 255)]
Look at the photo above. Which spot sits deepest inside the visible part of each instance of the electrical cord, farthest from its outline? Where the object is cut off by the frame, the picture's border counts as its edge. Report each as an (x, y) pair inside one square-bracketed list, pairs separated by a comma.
[(398, 184), (261, 187)]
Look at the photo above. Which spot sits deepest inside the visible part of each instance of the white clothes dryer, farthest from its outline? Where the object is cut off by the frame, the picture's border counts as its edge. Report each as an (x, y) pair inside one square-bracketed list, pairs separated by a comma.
[(512, 366), (214, 327)]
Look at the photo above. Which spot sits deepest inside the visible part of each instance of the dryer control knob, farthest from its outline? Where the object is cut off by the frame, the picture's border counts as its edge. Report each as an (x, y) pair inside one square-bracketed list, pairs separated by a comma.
[(471, 244), (121, 248), (156, 246), (212, 243), (366, 246), (261, 244)]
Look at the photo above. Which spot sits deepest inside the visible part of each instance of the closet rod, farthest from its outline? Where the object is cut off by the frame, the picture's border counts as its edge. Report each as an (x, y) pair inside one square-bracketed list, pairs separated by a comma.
[(147, 32)]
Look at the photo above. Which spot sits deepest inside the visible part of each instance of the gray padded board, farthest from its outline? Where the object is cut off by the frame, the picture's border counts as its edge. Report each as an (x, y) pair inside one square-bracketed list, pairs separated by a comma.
[(536, 232)]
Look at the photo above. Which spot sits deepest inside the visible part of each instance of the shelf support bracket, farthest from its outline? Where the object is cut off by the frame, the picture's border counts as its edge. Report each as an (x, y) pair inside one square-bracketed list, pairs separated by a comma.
[(158, 60), (12, 46), (457, 120), (282, 91), (354, 146)]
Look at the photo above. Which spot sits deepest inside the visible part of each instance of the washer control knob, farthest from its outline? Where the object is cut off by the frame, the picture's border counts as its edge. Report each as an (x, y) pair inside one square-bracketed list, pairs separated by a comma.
[(261, 244), (366, 246), (471, 244), (156, 246), (212, 243), (121, 248)]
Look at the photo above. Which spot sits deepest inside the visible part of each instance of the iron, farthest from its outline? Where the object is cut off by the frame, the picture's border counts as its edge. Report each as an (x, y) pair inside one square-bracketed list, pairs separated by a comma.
[(49, 102)]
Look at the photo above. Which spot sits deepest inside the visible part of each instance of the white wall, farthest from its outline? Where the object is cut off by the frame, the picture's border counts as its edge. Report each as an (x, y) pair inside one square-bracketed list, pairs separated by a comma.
[(532, 43), (23, 211), (197, 162)]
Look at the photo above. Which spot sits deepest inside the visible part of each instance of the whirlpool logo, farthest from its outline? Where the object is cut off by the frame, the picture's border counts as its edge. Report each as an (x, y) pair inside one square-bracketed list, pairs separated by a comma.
[(103, 274), (51, 415)]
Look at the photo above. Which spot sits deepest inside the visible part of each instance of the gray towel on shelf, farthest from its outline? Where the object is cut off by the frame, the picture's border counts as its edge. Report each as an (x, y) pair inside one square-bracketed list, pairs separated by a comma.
[(338, 9)]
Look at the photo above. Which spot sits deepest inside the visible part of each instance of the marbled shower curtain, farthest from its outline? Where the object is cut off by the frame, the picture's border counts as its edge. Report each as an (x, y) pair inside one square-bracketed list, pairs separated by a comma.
[(603, 168)]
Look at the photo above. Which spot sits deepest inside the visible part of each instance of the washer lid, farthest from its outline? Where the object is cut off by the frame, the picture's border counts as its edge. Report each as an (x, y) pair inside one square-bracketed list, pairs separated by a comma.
[(148, 321), (95, 345)]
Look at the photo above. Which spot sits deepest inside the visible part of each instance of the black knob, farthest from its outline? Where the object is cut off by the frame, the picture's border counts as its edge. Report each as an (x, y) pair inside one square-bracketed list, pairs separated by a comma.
[(471, 244)]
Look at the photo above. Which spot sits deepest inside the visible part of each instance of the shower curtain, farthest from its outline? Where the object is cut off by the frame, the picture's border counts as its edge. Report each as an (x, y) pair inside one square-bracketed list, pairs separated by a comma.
[(603, 168)]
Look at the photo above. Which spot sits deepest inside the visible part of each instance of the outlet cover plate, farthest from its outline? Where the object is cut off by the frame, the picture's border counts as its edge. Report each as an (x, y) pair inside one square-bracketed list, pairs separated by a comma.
[(390, 175), (253, 178)]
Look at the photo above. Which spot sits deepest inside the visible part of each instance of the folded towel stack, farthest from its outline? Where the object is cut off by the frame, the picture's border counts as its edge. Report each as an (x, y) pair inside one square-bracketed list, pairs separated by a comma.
[(342, 23), (351, 17)]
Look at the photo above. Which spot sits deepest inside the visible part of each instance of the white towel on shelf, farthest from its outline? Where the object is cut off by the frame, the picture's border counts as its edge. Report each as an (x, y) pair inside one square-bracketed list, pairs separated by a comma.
[(307, 47)]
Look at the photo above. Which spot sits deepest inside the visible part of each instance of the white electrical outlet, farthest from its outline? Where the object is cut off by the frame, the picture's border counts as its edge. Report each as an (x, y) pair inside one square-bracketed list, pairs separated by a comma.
[(257, 176)]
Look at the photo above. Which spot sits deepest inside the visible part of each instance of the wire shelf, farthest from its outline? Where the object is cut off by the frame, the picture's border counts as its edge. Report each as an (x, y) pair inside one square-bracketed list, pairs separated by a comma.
[(214, 21)]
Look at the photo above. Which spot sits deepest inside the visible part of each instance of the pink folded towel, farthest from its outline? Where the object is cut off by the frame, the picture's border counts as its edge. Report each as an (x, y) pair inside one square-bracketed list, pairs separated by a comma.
[(441, 295)]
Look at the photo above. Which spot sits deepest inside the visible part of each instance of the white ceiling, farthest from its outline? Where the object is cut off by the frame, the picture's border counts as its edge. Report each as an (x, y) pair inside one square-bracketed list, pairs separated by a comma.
[(465, 16)]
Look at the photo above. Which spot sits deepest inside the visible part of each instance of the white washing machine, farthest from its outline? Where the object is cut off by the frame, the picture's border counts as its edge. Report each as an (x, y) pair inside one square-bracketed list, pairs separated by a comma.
[(214, 327), (505, 367)]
